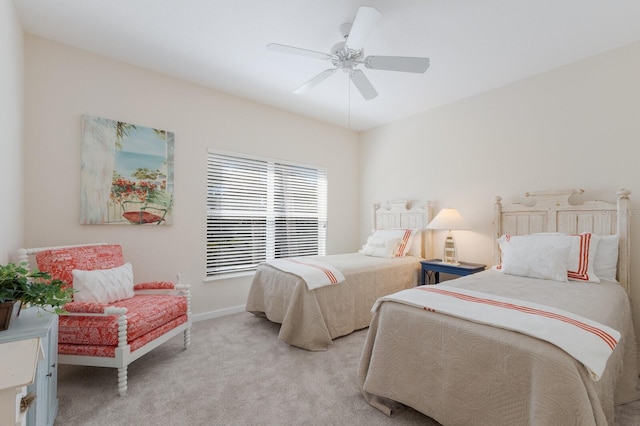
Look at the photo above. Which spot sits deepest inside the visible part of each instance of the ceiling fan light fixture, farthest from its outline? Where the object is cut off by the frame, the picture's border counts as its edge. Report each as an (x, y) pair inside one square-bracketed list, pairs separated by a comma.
[(345, 29), (338, 48)]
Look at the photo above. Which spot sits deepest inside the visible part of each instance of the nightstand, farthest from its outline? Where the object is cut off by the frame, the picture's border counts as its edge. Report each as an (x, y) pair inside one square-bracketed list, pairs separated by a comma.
[(34, 323), (432, 268)]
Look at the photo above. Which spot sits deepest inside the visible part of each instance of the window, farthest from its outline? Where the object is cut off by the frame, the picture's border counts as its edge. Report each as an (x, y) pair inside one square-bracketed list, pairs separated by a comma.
[(260, 209)]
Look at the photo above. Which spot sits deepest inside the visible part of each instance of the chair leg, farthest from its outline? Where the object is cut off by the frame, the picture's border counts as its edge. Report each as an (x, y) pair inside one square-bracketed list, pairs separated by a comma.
[(187, 338), (122, 381)]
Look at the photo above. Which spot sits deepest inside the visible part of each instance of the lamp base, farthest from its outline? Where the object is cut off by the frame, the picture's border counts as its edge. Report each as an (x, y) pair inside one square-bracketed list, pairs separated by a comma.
[(450, 254)]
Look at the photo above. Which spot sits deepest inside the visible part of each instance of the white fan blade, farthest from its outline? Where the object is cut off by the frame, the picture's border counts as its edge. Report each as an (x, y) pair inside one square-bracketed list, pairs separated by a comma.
[(314, 81), (363, 85), (366, 19), (397, 63), (283, 48)]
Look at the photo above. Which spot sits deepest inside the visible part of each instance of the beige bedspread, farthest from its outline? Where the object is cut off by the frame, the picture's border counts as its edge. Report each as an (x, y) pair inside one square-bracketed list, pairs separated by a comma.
[(459, 372), (311, 319)]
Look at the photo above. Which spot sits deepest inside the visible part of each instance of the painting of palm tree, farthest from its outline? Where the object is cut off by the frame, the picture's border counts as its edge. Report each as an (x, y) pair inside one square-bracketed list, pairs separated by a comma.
[(126, 173)]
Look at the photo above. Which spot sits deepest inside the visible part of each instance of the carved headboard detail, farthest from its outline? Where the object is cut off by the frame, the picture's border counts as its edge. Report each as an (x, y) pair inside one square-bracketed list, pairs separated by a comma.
[(552, 211), (405, 214)]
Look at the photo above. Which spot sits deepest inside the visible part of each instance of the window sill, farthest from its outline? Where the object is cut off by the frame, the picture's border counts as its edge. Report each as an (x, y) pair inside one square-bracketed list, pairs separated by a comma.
[(229, 276)]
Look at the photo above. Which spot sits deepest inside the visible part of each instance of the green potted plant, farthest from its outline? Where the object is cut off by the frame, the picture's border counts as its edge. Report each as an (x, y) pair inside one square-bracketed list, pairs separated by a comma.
[(19, 285)]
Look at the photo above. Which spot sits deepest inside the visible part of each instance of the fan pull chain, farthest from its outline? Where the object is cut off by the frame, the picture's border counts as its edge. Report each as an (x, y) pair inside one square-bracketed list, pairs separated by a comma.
[(349, 101)]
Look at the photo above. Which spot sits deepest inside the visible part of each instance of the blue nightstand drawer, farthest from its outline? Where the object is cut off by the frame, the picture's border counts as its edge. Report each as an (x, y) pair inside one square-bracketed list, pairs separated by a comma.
[(431, 270)]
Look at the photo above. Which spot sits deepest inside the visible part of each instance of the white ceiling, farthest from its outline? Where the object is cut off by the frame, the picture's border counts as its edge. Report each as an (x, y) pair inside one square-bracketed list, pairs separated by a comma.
[(473, 45)]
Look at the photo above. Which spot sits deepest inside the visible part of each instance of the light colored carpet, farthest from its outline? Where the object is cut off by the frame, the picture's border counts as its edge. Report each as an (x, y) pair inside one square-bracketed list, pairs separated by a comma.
[(236, 372)]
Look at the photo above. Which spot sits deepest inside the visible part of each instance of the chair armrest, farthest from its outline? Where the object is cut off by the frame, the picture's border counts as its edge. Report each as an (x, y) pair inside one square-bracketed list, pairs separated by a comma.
[(155, 285), (85, 307), (163, 287), (92, 308), (96, 309)]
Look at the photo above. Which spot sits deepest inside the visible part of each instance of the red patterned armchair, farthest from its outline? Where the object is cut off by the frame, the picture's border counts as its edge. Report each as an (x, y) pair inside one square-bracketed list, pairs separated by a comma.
[(111, 322)]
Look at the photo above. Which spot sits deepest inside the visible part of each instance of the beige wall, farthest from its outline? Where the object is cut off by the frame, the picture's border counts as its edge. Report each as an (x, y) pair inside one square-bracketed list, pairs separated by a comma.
[(11, 119), (574, 127), (62, 83)]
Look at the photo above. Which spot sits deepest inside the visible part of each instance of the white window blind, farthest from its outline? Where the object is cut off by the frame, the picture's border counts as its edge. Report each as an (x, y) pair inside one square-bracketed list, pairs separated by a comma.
[(260, 209)]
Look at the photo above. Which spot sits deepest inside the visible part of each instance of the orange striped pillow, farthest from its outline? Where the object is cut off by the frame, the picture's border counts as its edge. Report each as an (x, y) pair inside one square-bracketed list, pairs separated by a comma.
[(406, 235)]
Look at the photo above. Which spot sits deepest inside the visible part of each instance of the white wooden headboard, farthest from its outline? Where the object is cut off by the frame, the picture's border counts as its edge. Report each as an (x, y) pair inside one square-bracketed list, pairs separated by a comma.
[(405, 214), (551, 211)]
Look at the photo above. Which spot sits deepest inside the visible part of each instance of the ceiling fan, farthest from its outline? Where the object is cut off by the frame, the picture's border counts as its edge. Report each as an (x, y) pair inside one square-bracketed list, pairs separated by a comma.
[(347, 55)]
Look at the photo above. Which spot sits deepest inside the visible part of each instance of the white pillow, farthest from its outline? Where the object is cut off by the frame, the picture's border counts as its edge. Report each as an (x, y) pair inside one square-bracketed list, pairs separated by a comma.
[(381, 247), (581, 256), (416, 244), (405, 234), (535, 259), (103, 285), (605, 263)]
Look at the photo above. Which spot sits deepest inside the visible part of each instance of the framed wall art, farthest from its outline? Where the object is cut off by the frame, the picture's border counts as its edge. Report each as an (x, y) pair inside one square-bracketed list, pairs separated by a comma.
[(126, 174)]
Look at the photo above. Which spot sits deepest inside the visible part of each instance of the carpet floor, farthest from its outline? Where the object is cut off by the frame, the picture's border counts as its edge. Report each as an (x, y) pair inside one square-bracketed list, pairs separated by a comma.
[(236, 372)]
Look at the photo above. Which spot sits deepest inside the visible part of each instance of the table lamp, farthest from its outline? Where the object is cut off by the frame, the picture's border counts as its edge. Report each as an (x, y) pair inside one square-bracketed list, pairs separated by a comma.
[(450, 220)]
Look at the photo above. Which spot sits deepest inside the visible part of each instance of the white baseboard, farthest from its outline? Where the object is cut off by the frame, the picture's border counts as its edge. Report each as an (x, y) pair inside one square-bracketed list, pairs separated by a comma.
[(219, 313)]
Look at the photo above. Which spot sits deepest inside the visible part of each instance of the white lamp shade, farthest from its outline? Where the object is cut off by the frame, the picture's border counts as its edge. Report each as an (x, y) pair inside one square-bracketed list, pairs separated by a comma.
[(448, 219)]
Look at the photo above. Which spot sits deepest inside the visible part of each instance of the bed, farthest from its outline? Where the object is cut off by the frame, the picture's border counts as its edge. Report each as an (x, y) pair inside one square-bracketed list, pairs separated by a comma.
[(312, 318), (461, 371)]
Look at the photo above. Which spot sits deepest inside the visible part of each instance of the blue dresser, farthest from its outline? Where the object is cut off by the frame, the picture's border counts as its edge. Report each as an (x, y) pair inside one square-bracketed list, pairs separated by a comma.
[(30, 324)]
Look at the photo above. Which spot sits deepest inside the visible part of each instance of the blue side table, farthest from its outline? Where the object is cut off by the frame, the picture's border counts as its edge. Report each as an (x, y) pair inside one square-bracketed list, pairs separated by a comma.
[(431, 270)]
